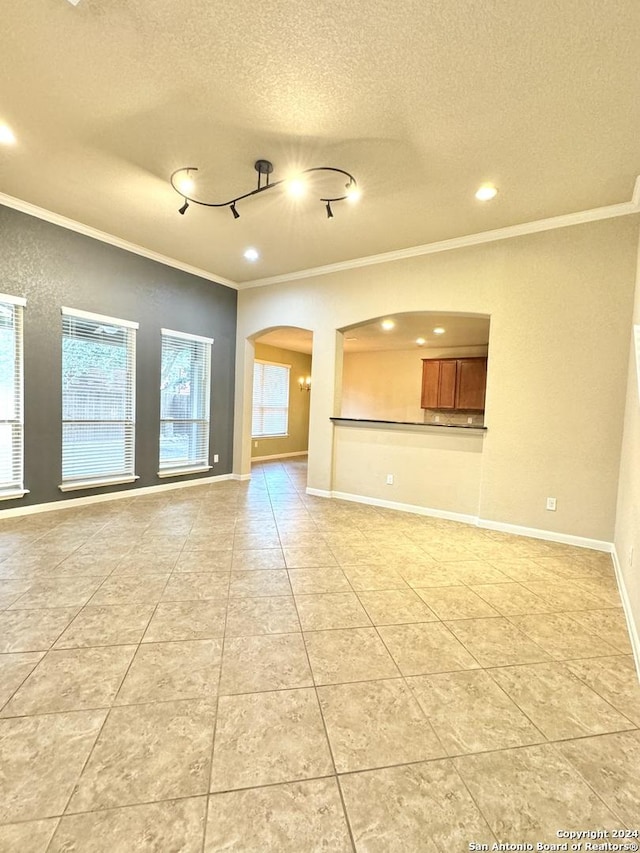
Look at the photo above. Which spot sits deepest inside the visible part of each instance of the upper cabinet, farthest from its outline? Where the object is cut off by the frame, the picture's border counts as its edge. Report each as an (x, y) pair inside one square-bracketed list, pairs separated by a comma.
[(454, 383)]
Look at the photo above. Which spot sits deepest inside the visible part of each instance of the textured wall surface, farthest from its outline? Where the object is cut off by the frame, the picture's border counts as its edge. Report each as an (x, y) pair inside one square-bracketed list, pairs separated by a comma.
[(51, 267)]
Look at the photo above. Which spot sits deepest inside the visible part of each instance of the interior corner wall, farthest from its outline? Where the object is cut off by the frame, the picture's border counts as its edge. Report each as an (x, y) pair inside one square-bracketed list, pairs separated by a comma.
[(51, 267), (297, 440), (627, 535), (560, 303)]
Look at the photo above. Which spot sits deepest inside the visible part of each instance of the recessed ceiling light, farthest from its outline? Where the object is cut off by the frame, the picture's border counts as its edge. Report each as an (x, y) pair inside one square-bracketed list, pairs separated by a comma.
[(387, 325), (438, 330), (251, 254), (486, 192), (6, 135), (420, 341)]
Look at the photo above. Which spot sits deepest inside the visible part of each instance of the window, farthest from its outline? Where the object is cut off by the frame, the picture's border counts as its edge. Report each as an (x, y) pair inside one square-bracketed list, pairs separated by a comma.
[(98, 400), (11, 410), (184, 403), (270, 399)]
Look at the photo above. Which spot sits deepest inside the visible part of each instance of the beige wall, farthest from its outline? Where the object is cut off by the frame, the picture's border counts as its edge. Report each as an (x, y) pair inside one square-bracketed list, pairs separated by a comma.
[(560, 304), (627, 536), (388, 385), (298, 438)]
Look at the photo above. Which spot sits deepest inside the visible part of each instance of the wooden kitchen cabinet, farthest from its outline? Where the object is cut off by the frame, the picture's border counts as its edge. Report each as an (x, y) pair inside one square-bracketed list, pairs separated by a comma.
[(454, 383)]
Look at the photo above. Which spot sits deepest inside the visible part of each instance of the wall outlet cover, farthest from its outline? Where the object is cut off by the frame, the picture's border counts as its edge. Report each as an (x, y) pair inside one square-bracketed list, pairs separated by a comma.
[(389, 479), (551, 504), (215, 458)]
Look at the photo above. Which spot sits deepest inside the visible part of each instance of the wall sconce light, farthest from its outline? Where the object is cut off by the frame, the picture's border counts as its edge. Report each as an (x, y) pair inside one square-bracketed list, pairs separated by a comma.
[(183, 183), (305, 383)]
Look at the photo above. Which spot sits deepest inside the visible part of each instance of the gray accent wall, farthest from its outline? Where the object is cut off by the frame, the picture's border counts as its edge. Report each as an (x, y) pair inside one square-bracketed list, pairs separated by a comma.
[(52, 267)]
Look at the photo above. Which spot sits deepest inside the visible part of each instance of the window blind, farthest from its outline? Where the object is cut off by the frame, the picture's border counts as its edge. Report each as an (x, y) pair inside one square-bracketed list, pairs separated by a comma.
[(184, 402), (11, 397), (98, 399), (270, 399)]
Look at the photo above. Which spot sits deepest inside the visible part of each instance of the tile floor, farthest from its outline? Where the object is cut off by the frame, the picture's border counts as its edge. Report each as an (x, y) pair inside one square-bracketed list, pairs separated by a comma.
[(242, 667)]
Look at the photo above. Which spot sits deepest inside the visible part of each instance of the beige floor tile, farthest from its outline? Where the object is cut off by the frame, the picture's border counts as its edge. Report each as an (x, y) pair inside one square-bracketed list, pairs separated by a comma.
[(41, 759), (147, 563), (83, 563), (196, 586), (562, 637), (204, 561), (33, 630), (375, 724), (557, 702), (395, 607), (522, 569), (30, 837), (609, 624), (615, 679), (349, 654), (425, 647), (478, 572), (609, 764), (14, 668), (254, 584), (72, 680), (470, 713), (131, 590), (319, 556), (247, 617), (455, 602), (564, 595), (331, 610), (57, 592), (363, 578), (184, 670), (147, 753), (418, 807), (106, 626), (172, 825), (511, 599), (300, 816), (429, 574), (255, 541), (309, 581), (528, 794), (262, 738), (269, 662), (265, 558), (497, 642), (187, 620), (445, 553), (605, 589)]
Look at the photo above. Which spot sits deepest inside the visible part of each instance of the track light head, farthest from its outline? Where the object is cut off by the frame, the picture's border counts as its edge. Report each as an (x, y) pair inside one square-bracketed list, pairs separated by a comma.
[(184, 207), (232, 208), (329, 211)]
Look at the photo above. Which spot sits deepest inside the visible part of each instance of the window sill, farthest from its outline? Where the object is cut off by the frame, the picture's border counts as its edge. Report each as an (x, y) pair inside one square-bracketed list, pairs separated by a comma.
[(181, 472), (76, 485), (13, 494), (277, 435)]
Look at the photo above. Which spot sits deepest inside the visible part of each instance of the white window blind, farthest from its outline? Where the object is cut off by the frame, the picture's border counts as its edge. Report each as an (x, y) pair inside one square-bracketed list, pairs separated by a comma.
[(270, 399), (98, 399), (11, 405), (184, 402)]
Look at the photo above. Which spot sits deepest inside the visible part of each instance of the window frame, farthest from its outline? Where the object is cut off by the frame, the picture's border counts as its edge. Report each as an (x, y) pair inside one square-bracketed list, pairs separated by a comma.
[(14, 488), (127, 476), (195, 466), (266, 435)]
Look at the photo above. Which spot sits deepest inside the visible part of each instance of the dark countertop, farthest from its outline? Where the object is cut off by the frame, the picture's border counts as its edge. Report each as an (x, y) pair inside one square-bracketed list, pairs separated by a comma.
[(408, 423)]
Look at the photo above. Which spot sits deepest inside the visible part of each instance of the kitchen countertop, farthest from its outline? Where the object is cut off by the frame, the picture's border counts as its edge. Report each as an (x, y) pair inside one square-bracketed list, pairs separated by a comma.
[(367, 421)]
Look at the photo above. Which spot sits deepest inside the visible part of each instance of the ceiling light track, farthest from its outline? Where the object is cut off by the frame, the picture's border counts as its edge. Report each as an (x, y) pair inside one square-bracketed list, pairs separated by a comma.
[(182, 182)]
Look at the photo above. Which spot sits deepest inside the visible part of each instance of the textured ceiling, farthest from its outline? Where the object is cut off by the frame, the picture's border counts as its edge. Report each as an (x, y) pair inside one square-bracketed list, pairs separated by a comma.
[(422, 100)]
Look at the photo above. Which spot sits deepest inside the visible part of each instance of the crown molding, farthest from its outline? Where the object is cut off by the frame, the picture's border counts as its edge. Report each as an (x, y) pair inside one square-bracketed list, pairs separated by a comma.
[(89, 231), (564, 221)]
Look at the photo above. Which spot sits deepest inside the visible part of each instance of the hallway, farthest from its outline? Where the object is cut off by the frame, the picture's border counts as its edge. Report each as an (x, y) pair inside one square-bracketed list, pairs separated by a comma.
[(242, 667)]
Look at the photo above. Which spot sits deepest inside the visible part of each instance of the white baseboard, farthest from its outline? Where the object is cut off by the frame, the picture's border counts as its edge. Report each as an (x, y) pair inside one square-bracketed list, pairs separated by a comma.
[(515, 529), (632, 628), (280, 456), (242, 477), (52, 506)]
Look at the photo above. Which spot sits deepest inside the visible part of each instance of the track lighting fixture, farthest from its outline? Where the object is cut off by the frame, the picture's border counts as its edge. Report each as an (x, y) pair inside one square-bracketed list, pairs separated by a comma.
[(183, 184)]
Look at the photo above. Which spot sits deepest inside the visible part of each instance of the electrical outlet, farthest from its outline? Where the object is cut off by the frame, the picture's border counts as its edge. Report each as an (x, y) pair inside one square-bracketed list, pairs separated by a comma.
[(437, 419), (389, 479), (215, 458), (551, 504), (255, 443), (469, 420)]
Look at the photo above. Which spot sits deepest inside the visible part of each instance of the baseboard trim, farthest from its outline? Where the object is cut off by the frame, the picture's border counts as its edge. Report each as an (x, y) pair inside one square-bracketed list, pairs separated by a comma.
[(280, 456), (515, 529), (632, 628), (241, 477), (52, 506)]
